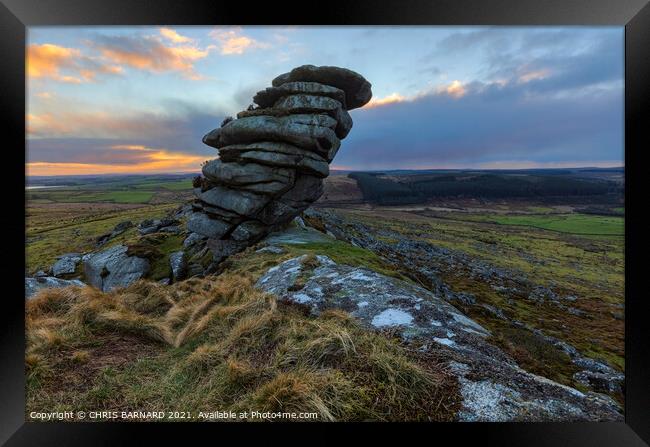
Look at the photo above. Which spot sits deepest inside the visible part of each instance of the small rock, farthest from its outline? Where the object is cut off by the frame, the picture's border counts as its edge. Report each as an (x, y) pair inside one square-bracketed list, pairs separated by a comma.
[(66, 265), (192, 239), (33, 285), (272, 249), (178, 265)]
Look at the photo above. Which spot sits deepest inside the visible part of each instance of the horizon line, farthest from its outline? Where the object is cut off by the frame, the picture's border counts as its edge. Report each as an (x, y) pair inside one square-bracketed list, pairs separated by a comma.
[(344, 170)]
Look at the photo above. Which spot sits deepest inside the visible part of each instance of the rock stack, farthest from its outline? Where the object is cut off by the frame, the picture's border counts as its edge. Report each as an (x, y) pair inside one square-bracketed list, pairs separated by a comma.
[(274, 156)]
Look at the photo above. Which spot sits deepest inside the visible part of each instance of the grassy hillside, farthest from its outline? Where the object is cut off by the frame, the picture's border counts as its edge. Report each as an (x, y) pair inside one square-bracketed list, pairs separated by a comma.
[(220, 344)]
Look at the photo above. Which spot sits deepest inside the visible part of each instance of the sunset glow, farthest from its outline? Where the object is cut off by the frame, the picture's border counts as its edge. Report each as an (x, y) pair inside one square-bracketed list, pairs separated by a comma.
[(138, 100)]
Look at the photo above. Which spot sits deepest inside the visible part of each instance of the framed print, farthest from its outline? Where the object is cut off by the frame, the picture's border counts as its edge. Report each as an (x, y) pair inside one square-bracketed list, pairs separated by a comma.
[(418, 216)]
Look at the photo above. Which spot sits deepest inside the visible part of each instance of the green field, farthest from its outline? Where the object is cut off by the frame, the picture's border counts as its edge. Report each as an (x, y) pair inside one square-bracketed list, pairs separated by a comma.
[(565, 223), (75, 196), (139, 189), (179, 185)]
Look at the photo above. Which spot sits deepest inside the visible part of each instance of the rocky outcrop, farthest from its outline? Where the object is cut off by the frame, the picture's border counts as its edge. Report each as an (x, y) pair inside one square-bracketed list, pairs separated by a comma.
[(165, 225), (273, 157), (119, 229), (493, 387), (423, 261)]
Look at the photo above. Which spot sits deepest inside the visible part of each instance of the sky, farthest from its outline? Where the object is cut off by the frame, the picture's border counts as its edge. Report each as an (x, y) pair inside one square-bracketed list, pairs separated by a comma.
[(108, 100)]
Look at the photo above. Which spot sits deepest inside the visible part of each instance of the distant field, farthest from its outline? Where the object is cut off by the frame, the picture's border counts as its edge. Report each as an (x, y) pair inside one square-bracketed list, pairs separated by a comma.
[(178, 185), (144, 189), (77, 196), (565, 223)]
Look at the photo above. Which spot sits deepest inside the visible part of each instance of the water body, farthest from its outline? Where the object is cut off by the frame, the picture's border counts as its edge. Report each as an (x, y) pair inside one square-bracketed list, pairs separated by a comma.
[(45, 186)]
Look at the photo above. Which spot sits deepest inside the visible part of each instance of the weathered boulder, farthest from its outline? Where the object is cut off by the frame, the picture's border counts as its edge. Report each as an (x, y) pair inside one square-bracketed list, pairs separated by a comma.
[(205, 226), (357, 89), (193, 239), (249, 231), (33, 285), (114, 268), (221, 249)]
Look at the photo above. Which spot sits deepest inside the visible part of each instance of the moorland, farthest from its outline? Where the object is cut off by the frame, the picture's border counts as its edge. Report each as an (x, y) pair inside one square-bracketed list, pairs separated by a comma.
[(534, 256)]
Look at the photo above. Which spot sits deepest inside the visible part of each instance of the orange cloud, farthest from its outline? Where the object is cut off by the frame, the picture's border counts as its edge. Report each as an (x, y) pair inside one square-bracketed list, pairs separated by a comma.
[(50, 61), (173, 36), (46, 61), (150, 54), (45, 95), (157, 160), (534, 75), (390, 99), (455, 89), (232, 41), (96, 125)]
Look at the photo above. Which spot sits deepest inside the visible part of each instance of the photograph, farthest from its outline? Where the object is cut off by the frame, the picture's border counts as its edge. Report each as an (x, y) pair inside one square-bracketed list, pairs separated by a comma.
[(325, 223)]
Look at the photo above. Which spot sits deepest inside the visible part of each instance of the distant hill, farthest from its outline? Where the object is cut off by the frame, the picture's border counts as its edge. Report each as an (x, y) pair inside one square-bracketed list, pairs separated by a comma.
[(411, 186)]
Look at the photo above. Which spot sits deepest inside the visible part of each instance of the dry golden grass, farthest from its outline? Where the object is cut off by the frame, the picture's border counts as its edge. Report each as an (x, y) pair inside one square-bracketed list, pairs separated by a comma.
[(220, 342)]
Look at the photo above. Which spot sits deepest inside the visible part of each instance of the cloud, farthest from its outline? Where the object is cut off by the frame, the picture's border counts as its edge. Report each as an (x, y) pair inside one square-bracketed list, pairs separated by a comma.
[(149, 53), (549, 59), (233, 41), (455, 89), (98, 124), (490, 122), (390, 99), (173, 36), (48, 61), (102, 156), (79, 142)]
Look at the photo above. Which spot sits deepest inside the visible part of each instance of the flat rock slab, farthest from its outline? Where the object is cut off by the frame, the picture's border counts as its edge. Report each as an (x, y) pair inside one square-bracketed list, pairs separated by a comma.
[(234, 200), (276, 154), (295, 235), (245, 174), (310, 132), (374, 299), (492, 386), (268, 97), (296, 104)]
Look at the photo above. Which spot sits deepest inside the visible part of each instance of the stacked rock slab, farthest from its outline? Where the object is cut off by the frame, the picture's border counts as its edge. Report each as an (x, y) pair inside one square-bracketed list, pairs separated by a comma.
[(274, 156)]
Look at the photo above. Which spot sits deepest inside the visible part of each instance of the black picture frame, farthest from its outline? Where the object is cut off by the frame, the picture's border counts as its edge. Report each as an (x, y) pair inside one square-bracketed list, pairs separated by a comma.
[(16, 15)]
